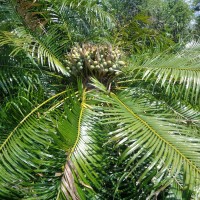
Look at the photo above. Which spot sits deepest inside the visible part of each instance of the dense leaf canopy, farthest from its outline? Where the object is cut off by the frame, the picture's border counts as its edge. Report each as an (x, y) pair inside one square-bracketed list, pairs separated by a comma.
[(96, 103)]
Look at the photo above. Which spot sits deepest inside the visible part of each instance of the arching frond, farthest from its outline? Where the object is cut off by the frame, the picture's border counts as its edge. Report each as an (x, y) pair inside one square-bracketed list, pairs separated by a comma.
[(64, 21), (178, 74), (89, 11), (39, 49), (184, 112), (60, 136), (186, 76), (173, 149), (25, 152), (82, 157)]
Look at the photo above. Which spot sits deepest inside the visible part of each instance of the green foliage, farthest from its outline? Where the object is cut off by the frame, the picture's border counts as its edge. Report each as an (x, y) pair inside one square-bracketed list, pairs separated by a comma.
[(151, 25), (197, 26), (173, 18), (96, 134), (137, 36)]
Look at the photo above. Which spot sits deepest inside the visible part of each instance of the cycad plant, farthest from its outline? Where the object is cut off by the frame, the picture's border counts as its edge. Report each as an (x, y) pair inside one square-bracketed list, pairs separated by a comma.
[(81, 120)]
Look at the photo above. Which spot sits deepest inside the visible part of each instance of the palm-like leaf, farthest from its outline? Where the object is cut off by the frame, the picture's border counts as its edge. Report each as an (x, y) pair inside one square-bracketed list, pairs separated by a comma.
[(38, 48), (67, 130), (95, 12), (178, 74), (141, 129), (27, 132), (51, 137), (82, 155)]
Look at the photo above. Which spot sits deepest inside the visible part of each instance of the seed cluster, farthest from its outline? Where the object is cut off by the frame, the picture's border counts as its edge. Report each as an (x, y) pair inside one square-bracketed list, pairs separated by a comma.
[(94, 59)]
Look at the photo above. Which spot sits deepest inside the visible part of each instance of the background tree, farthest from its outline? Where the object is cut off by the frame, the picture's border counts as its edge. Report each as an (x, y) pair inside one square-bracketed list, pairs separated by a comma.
[(151, 25), (196, 8), (172, 17)]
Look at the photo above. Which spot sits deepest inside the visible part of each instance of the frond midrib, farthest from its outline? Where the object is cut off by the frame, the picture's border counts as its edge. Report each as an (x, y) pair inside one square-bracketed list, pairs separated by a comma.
[(187, 67), (26, 117), (153, 131), (79, 124), (171, 68)]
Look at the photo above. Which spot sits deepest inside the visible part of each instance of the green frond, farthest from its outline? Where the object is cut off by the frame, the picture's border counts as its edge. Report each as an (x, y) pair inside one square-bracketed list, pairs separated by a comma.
[(80, 21), (15, 109), (39, 47), (59, 135), (178, 74), (14, 77), (172, 147), (82, 157), (25, 152), (184, 112), (41, 50), (187, 79), (89, 11), (20, 90)]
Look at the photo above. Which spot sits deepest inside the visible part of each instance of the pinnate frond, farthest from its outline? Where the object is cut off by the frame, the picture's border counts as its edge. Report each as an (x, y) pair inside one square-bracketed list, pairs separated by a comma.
[(174, 150), (177, 74), (82, 157), (54, 147), (41, 50)]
